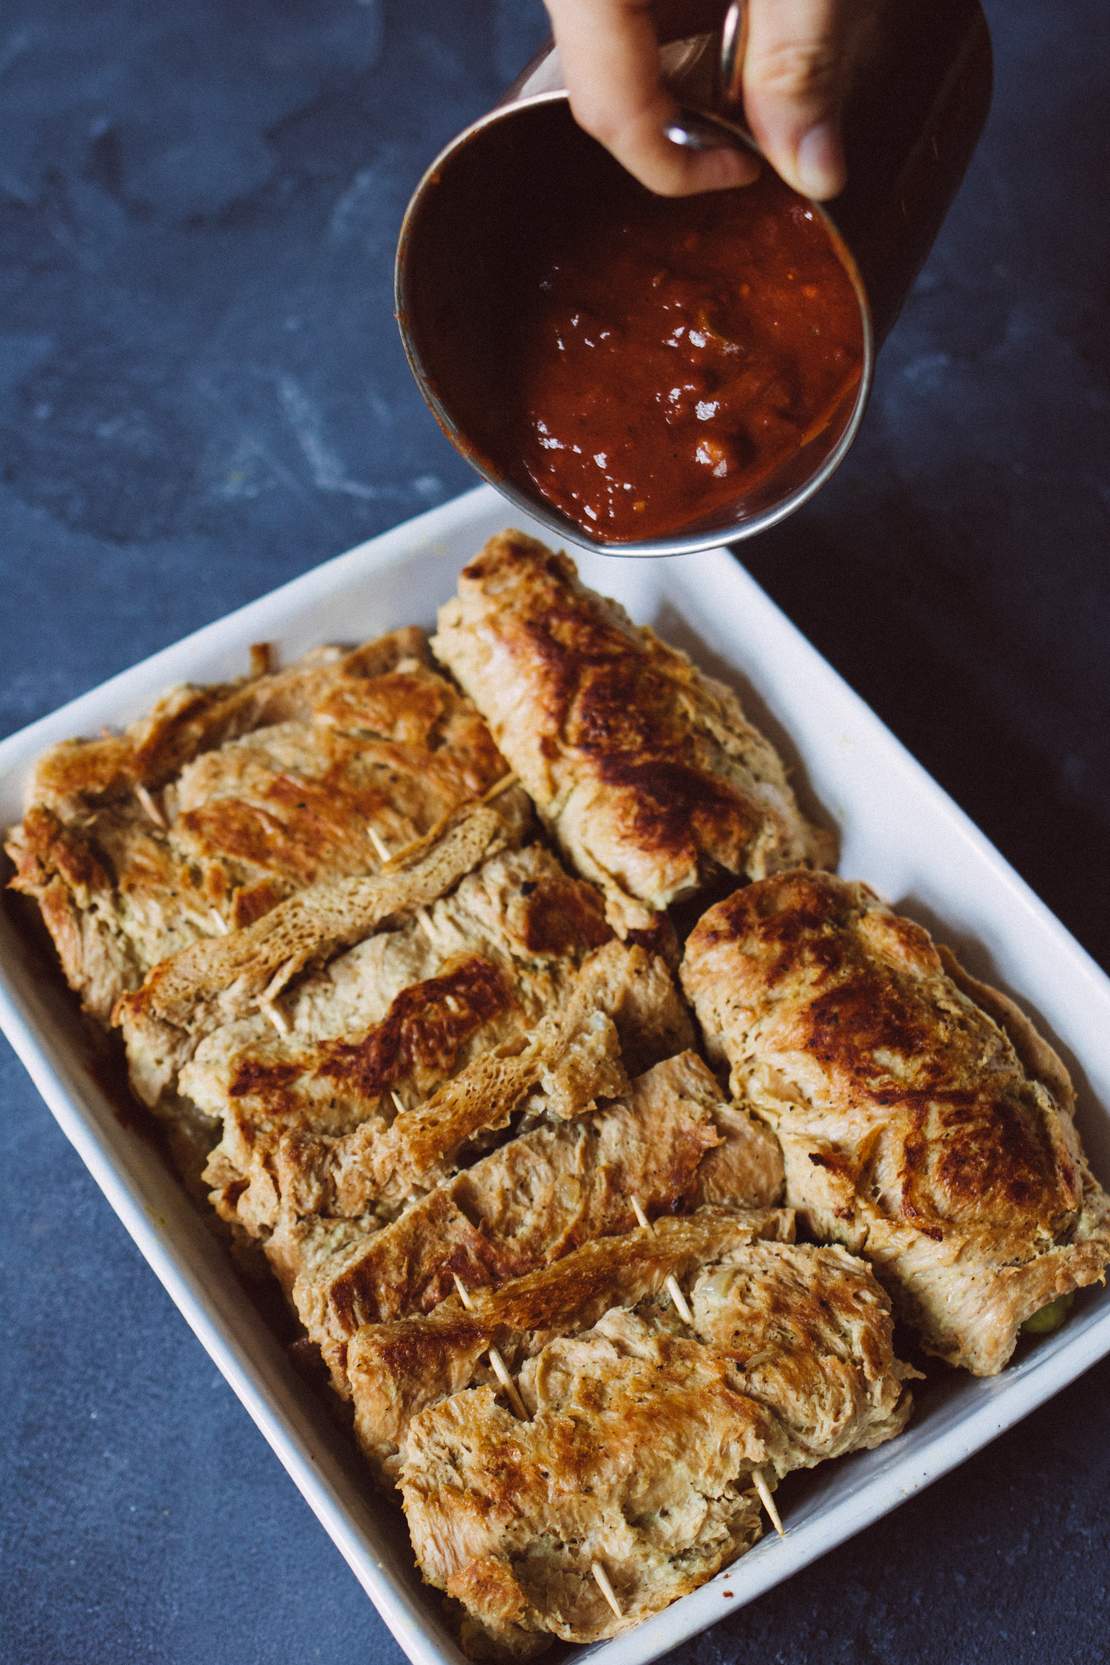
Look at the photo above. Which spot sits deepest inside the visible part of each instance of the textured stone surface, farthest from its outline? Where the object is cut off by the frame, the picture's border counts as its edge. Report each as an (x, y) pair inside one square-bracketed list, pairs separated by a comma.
[(201, 394)]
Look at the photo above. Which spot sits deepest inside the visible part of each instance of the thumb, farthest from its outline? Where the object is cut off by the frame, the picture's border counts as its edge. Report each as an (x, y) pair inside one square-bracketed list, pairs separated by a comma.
[(796, 67)]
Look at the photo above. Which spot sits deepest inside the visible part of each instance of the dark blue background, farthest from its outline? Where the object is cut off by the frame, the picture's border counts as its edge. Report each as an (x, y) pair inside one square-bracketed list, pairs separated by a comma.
[(201, 394)]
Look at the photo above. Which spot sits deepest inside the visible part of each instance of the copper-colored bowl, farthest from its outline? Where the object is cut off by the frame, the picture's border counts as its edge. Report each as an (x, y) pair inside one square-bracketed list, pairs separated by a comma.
[(908, 141)]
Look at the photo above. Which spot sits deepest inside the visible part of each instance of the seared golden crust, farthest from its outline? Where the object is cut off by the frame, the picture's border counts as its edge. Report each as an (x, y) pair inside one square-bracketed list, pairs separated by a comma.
[(528, 1202), (503, 1217), (300, 802), (383, 1165), (641, 1441), (396, 1370), (72, 884), (108, 890), (296, 1141), (911, 1128), (222, 801), (188, 721), (360, 1103), (288, 1106), (647, 771), (419, 1039), (563, 916), (213, 982)]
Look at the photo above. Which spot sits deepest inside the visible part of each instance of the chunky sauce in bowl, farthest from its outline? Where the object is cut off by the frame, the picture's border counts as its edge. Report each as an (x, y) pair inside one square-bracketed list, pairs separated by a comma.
[(651, 367), (671, 354)]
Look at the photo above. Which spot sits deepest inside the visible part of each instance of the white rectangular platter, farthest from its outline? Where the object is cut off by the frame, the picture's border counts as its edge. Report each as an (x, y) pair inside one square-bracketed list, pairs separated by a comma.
[(899, 832)]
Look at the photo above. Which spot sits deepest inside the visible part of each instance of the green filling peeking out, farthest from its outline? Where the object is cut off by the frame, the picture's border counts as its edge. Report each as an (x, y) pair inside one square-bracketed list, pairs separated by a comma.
[(1050, 1317)]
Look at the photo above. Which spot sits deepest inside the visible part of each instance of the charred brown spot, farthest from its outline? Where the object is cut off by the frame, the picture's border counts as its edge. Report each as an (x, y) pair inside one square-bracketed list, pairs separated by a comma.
[(562, 915), (622, 707), (252, 901), (559, 1300), (411, 1351), (425, 1028), (88, 768), (832, 1162), (674, 803), (488, 1585), (479, 1262), (48, 847), (790, 921), (304, 827), (999, 1148), (867, 1013), (586, 663), (978, 1153), (404, 706), (913, 1156), (803, 942), (354, 1300), (272, 1083), (811, 901), (673, 1180), (172, 736)]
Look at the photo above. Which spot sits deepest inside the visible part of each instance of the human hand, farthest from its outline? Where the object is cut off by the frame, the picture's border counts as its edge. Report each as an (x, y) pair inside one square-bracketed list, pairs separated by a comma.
[(798, 62)]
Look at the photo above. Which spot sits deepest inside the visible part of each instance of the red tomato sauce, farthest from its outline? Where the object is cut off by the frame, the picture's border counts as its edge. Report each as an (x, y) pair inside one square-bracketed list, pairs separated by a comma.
[(667, 356)]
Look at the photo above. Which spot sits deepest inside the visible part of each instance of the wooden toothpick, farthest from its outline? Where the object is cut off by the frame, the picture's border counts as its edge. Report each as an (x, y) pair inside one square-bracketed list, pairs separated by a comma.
[(497, 1363), (268, 999), (275, 1015), (670, 1282), (381, 849), (464, 1293), (760, 1481), (498, 787), (150, 807), (603, 1584), (682, 1307)]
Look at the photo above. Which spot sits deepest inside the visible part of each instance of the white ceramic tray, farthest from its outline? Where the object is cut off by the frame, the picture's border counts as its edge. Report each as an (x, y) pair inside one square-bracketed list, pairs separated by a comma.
[(899, 832)]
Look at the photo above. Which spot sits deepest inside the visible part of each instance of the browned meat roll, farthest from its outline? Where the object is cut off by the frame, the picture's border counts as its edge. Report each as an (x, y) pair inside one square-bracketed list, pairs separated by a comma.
[(398, 1369), (223, 800), (643, 1434), (923, 1120), (671, 1141), (648, 772)]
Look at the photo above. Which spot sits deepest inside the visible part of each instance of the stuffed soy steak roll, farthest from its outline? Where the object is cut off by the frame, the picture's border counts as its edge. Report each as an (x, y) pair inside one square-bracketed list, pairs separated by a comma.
[(252, 972), (645, 1439), (923, 1120), (671, 1141), (424, 1036), (396, 1370), (223, 800), (648, 773)]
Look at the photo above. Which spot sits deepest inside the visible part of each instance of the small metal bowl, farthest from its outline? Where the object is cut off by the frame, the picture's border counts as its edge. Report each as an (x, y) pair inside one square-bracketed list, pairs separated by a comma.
[(457, 234)]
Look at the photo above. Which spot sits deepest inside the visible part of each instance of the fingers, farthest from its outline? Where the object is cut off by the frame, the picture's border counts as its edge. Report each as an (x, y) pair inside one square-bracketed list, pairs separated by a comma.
[(799, 59), (796, 70), (610, 55)]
